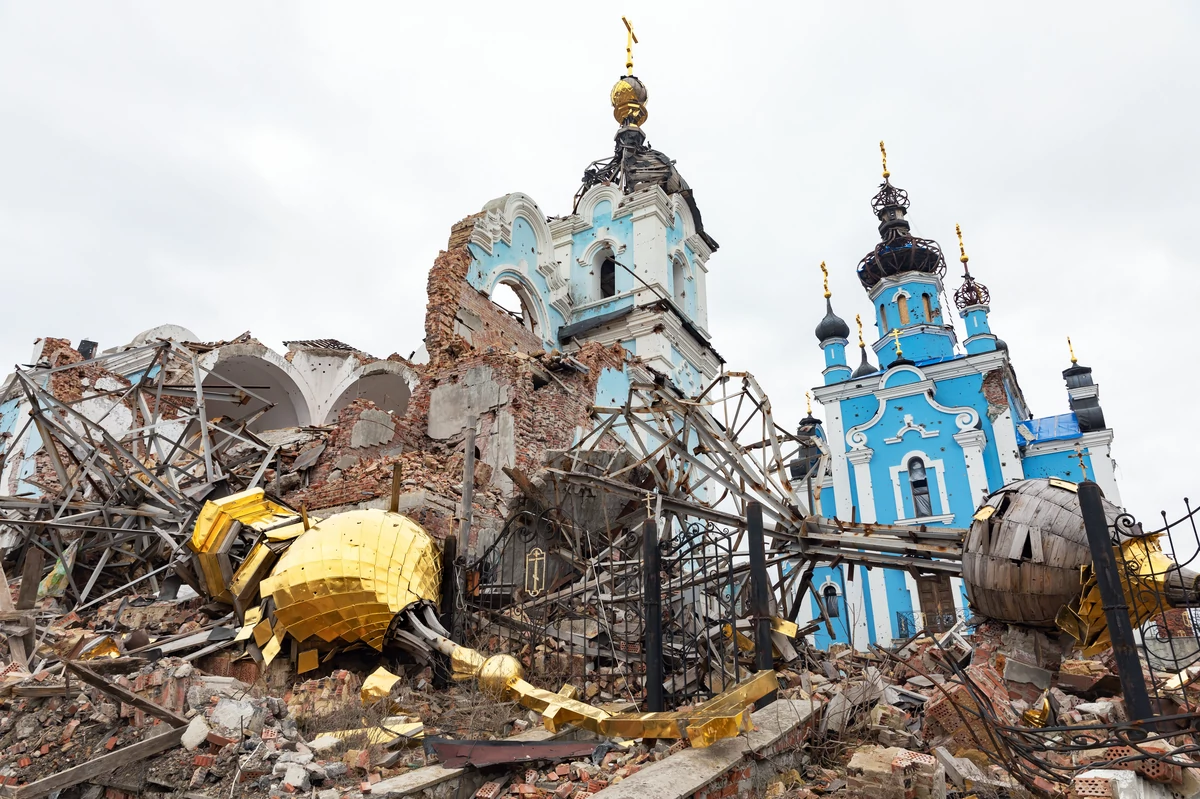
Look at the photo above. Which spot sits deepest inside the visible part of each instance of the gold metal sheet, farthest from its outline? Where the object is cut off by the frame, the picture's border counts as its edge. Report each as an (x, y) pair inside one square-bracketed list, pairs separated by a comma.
[(785, 627), (351, 573), (984, 513), (309, 659), (270, 651), (263, 632), (378, 686)]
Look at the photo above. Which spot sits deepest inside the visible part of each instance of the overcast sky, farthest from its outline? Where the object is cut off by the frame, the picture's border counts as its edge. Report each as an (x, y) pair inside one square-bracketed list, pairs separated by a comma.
[(294, 168)]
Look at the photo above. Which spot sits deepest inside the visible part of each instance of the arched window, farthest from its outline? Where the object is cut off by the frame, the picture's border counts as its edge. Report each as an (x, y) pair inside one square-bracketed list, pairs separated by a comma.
[(829, 596), (883, 317), (510, 296), (922, 506), (679, 282), (608, 278), (925, 299), (902, 304)]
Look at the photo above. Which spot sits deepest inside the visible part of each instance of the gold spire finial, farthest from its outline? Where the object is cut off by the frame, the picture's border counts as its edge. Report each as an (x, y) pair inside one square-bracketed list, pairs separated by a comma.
[(1079, 453), (858, 321), (962, 253), (630, 41), (1071, 347), (808, 401), (896, 338), (883, 152), (825, 272)]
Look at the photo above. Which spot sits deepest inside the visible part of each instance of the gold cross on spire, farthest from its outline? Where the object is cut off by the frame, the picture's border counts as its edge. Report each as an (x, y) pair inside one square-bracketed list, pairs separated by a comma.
[(1079, 453), (1071, 347), (883, 152), (808, 400), (825, 272), (858, 321), (630, 41), (962, 253), (896, 338)]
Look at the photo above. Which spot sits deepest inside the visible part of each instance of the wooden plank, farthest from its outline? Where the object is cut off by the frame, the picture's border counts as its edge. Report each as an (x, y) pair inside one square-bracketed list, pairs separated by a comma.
[(31, 575), (129, 697), (106, 764)]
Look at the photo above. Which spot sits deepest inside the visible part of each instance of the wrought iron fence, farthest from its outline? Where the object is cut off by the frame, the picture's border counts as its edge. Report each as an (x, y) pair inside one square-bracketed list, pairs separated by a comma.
[(574, 605)]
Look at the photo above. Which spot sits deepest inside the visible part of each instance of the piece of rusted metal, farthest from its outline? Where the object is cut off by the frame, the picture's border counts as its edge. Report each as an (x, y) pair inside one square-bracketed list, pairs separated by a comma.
[(455, 754)]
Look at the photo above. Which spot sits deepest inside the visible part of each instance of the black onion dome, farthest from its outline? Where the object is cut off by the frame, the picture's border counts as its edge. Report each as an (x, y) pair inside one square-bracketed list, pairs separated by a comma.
[(1001, 344), (832, 326), (866, 368), (898, 250)]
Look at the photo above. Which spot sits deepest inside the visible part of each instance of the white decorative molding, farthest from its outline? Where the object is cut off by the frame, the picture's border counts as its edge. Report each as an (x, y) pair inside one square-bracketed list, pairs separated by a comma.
[(838, 462), (965, 418), (861, 461), (941, 518), (588, 258), (896, 281), (496, 223), (972, 443), (1084, 392), (1005, 434), (900, 292), (586, 211), (915, 330), (909, 427), (560, 290), (519, 274), (979, 363), (1094, 438), (938, 467), (699, 247)]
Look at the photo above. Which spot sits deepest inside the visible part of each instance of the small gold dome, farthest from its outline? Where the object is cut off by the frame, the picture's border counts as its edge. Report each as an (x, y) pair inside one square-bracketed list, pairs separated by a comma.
[(629, 98), (497, 674)]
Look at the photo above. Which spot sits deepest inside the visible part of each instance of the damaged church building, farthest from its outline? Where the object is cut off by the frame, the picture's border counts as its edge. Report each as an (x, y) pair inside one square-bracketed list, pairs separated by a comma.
[(568, 551)]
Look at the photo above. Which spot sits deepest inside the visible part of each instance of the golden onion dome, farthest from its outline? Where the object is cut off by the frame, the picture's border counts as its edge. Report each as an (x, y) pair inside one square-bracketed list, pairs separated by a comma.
[(629, 98), (348, 575)]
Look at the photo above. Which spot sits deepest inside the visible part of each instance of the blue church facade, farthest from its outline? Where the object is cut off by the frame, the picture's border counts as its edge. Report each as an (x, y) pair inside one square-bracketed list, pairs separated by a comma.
[(922, 437)]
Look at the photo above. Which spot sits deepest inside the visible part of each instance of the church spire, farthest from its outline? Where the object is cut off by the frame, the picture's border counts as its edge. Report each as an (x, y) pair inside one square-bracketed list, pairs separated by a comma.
[(833, 332), (898, 250), (832, 326), (972, 299), (970, 292), (865, 367), (634, 165)]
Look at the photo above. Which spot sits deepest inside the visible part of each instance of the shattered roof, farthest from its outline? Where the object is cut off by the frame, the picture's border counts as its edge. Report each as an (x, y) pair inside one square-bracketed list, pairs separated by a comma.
[(321, 344)]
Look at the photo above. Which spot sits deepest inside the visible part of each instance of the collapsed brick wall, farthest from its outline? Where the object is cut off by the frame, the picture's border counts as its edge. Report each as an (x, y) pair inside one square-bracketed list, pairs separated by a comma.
[(546, 410)]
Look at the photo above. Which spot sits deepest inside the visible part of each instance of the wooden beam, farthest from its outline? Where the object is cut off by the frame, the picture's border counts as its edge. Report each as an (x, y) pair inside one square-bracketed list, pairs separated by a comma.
[(106, 764), (124, 695)]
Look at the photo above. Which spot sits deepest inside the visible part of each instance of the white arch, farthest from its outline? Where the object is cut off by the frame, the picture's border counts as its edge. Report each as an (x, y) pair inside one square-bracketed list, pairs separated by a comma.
[(263, 374), (379, 381), (531, 298)]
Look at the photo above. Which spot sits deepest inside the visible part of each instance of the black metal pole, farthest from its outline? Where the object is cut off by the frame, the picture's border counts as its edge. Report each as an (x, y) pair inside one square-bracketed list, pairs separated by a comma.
[(652, 611), (760, 609), (449, 598), (1112, 595)]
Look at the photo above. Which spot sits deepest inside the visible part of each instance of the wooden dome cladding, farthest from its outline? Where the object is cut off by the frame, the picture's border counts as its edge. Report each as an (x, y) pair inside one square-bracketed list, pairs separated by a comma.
[(1021, 560)]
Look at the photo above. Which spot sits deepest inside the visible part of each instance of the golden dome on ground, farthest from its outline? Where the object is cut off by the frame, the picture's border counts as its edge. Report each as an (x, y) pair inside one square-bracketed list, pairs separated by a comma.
[(348, 575)]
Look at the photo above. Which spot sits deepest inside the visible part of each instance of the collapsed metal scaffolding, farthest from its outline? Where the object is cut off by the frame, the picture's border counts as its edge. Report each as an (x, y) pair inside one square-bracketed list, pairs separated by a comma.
[(118, 468)]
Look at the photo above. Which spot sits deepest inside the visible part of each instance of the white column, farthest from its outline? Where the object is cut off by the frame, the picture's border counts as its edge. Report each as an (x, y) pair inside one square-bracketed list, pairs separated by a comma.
[(1102, 470), (860, 459), (972, 443), (1006, 447), (837, 452)]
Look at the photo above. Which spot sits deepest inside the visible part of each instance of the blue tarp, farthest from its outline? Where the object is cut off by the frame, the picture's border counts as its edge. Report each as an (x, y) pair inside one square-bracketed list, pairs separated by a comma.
[(1049, 428)]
